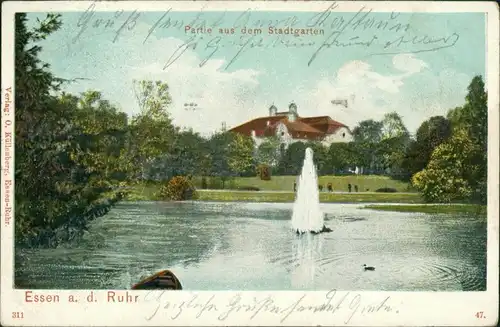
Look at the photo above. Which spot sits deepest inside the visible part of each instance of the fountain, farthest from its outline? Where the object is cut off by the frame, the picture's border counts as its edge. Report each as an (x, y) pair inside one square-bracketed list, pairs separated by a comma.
[(307, 215)]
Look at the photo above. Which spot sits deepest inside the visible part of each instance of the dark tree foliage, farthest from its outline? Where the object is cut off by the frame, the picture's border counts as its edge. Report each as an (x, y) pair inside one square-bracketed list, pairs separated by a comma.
[(430, 134), (57, 192), (219, 151), (186, 157), (458, 167), (292, 159)]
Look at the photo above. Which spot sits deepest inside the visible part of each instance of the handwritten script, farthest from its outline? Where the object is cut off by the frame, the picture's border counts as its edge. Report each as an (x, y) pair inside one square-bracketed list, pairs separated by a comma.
[(347, 306), (323, 33)]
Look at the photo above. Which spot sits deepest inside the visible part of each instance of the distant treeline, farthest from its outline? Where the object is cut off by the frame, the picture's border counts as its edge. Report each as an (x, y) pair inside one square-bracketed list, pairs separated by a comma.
[(76, 154)]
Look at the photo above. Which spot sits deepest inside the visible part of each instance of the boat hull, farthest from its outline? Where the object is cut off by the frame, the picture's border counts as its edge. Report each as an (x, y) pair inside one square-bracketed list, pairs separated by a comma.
[(163, 280)]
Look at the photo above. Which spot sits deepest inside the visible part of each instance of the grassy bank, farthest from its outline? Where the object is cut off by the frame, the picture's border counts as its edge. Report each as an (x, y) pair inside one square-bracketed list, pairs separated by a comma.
[(433, 208), (148, 192), (262, 196), (143, 192), (285, 183)]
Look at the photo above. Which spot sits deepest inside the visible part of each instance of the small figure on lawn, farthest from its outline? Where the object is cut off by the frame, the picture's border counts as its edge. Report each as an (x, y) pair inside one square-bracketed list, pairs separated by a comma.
[(355, 188), (329, 187), (320, 188), (349, 187)]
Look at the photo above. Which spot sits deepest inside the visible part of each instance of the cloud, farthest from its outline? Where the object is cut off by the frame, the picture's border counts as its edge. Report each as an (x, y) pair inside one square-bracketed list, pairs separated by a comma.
[(408, 63), (411, 86), (416, 93), (221, 96)]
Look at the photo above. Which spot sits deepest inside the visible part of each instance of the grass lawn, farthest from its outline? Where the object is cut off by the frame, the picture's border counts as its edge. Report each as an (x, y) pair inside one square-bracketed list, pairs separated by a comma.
[(143, 192), (433, 208), (262, 196), (285, 183)]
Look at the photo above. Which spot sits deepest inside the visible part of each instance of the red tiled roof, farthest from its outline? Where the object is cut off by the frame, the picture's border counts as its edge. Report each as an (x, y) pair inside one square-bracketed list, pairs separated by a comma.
[(323, 123), (298, 126), (303, 127), (259, 125)]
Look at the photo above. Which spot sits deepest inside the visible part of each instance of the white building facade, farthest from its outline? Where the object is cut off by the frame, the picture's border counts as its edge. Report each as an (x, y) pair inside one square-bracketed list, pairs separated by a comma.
[(288, 127)]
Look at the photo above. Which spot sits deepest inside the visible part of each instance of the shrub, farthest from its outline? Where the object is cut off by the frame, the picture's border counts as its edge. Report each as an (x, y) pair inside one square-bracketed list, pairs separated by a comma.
[(441, 185), (451, 172), (248, 188), (386, 190), (177, 189), (264, 172)]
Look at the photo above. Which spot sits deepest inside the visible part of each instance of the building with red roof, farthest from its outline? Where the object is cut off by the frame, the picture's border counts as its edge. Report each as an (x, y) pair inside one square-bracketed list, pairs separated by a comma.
[(289, 127)]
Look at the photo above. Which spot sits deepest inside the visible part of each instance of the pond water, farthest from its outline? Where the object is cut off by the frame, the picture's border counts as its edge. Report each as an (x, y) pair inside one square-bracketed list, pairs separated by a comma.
[(249, 246)]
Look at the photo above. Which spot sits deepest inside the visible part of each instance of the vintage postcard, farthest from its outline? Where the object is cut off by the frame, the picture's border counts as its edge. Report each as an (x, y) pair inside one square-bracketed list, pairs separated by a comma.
[(250, 163)]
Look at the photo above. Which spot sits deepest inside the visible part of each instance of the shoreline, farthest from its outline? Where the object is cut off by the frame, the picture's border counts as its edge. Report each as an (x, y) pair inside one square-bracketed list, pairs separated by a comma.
[(432, 208), (390, 202), (285, 197)]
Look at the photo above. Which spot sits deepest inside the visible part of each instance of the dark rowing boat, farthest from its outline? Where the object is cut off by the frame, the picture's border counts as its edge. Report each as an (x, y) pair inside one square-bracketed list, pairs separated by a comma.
[(163, 280)]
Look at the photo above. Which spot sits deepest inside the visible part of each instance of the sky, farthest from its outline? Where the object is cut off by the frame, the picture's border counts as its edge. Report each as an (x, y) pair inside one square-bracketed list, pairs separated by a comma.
[(418, 65)]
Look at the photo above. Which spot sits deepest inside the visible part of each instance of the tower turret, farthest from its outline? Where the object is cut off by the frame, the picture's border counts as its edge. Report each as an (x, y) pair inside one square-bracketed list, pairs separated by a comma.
[(292, 112), (273, 110)]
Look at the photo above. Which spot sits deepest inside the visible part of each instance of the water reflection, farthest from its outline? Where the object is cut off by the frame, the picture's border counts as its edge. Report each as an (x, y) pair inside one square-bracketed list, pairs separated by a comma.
[(308, 250)]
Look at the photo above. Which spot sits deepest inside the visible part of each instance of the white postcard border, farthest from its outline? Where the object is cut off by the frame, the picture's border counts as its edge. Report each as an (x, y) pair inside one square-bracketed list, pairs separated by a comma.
[(402, 308)]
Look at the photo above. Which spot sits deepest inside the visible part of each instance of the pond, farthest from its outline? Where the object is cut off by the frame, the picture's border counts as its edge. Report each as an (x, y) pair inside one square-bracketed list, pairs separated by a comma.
[(249, 246)]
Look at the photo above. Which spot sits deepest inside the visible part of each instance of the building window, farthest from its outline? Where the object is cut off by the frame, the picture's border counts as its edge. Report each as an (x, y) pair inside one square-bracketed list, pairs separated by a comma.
[(343, 134), (282, 133)]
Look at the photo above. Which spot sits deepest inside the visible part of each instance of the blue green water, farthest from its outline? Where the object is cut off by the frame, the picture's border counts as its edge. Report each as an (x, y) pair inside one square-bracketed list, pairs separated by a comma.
[(249, 246)]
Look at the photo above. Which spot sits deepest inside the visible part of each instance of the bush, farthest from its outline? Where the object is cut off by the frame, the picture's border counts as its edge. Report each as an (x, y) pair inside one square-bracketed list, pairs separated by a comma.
[(178, 188), (441, 186), (386, 190), (264, 172), (248, 188), (451, 172)]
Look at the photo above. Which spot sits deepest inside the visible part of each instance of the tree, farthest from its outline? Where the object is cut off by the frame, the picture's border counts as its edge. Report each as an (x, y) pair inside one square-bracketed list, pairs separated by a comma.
[(153, 99), (341, 156), (430, 135), (152, 129), (367, 135), (391, 153), (458, 167), (185, 157), (447, 176), (292, 159), (241, 155), (219, 153), (474, 118), (393, 126), (268, 152), (368, 131), (60, 186), (106, 133), (456, 117)]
